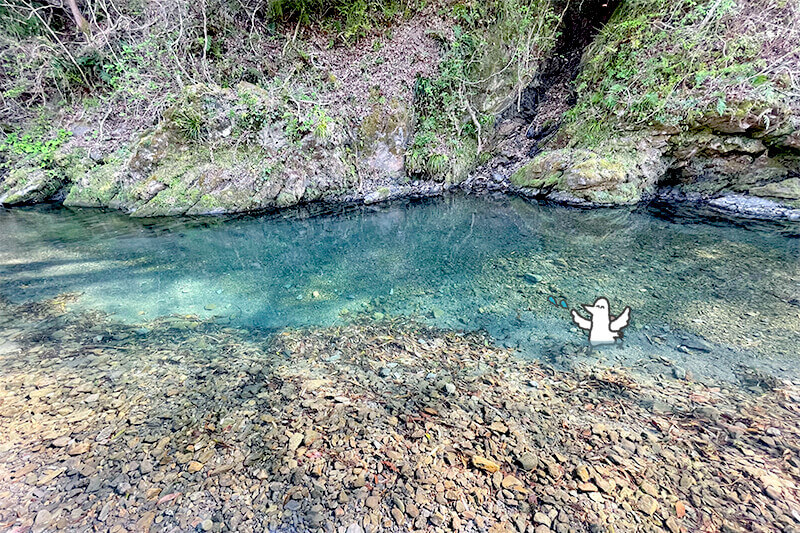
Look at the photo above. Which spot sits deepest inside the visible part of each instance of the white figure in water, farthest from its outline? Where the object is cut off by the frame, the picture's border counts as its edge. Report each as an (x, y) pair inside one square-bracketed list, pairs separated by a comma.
[(602, 327)]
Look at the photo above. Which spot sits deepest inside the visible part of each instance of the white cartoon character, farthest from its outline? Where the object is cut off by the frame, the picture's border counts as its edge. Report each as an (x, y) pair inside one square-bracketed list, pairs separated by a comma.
[(602, 327)]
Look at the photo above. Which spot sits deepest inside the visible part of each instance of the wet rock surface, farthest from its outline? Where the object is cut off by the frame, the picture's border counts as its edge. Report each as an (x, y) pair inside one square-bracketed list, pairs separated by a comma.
[(388, 426)]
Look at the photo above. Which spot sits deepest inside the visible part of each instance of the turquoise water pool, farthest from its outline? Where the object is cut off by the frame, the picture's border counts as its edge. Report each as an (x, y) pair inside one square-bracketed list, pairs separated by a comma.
[(715, 297)]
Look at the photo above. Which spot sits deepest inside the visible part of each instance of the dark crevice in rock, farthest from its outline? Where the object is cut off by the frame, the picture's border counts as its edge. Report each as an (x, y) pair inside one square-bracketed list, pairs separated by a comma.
[(545, 100), (529, 123)]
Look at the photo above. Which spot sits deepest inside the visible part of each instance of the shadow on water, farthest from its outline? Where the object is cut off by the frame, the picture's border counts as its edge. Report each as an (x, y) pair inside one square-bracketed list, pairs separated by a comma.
[(707, 293)]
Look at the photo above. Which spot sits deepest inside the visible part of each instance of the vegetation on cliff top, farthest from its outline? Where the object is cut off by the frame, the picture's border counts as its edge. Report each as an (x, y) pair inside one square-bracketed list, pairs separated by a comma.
[(129, 64), (660, 63)]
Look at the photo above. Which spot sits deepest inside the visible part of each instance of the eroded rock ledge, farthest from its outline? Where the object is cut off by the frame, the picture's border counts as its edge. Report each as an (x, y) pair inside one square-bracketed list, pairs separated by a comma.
[(728, 162)]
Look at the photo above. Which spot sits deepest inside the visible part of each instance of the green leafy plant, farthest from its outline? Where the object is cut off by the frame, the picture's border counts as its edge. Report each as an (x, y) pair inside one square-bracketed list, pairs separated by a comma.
[(190, 123), (348, 20)]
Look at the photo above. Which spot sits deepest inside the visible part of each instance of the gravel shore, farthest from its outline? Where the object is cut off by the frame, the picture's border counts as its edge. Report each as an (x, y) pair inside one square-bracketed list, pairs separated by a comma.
[(188, 425)]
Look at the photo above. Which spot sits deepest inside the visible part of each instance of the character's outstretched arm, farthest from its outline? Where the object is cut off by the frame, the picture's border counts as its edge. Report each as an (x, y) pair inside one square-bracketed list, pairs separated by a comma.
[(580, 321), (621, 321)]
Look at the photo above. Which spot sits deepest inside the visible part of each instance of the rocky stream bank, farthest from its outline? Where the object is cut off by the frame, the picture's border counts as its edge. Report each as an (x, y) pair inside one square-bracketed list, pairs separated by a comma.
[(181, 424), (593, 103)]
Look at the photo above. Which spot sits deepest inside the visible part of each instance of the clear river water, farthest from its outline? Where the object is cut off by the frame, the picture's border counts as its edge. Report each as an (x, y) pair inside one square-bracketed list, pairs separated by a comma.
[(717, 298)]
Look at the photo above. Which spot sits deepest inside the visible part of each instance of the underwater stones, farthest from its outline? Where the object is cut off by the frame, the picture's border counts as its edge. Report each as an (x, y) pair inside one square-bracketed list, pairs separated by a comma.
[(753, 206), (361, 467), (533, 279), (697, 344)]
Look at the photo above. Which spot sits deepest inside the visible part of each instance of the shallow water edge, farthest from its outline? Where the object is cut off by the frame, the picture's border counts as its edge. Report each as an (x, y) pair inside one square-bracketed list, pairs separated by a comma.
[(373, 426)]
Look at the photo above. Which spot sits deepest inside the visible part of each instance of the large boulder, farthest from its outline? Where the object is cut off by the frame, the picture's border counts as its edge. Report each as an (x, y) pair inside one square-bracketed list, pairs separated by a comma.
[(29, 185), (623, 174)]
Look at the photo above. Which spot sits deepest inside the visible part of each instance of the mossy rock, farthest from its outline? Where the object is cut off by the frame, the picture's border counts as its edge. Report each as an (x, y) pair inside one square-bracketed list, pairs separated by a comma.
[(383, 137), (97, 187), (29, 185), (788, 189), (621, 176)]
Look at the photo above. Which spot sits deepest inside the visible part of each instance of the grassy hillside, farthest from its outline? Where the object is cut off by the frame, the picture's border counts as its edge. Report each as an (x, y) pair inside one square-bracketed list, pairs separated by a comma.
[(667, 63)]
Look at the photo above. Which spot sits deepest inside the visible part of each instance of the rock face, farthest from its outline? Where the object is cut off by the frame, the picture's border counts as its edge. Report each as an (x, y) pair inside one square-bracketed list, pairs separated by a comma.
[(704, 165), (221, 150), (625, 174), (384, 135), (701, 129), (28, 185), (746, 156), (648, 115)]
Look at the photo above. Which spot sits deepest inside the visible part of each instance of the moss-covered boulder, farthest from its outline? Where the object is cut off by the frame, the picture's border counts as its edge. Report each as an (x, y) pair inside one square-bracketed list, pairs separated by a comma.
[(29, 185), (624, 174), (97, 186), (223, 150)]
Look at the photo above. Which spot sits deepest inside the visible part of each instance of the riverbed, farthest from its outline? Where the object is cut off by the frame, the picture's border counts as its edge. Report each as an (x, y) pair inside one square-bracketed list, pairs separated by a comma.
[(403, 367)]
